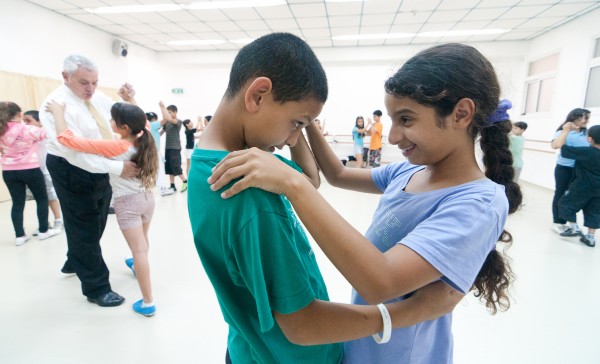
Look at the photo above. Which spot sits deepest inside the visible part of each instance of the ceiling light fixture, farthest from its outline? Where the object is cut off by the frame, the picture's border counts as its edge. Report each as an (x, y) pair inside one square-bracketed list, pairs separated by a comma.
[(229, 4), (196, 42), (200, 5), (134, 9), (447, 33)]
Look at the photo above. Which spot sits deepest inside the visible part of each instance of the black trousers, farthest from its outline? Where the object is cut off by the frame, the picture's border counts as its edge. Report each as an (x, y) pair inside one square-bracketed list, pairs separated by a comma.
[(84, 199), (16, 181), (562, 177), (573, 201)]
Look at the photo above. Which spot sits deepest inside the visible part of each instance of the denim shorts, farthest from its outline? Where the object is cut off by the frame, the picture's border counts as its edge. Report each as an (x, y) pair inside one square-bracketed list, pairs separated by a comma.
[(134, 210)]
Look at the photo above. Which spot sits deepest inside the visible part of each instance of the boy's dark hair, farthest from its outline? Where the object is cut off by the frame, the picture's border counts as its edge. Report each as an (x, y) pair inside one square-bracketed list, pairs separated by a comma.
[(208, 117), (378, 113), (439, 77), (33, 113), (151, 116), (172, 108), (594, 133), (186, 121), (521, 125), (285, 59)]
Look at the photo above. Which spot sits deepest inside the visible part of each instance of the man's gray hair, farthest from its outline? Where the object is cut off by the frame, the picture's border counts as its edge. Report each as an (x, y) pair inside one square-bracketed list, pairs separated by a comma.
[(74, 61)]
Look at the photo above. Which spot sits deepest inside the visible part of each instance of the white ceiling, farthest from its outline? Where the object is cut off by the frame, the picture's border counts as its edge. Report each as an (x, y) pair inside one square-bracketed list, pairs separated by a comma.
[(317, 21)]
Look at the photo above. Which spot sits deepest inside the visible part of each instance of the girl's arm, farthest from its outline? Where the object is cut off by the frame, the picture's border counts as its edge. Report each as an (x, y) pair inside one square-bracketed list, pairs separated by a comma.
[(376, 276), (324, 322), (302, 155), (106, 148), (357, 179), (58, 111), (560, 140)]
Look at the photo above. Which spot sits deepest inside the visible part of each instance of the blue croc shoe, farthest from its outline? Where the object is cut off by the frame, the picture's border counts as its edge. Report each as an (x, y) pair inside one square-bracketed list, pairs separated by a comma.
[(146, 311), (129, 263)]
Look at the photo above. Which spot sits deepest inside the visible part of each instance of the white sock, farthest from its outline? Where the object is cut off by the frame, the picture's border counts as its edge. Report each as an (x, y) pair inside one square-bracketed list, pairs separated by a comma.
[(58, 220), (144, 304)]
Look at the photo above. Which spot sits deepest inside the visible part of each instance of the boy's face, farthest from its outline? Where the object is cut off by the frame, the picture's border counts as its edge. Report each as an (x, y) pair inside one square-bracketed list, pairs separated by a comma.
[(516, 130), (280, 124), (29, 120)]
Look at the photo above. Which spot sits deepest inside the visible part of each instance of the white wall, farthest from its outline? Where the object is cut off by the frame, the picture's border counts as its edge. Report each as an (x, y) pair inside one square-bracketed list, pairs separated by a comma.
[(574, 42), (35, 41)]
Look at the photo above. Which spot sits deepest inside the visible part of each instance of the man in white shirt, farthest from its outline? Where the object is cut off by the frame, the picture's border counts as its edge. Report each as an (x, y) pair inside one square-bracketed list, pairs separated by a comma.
[(81, 180)]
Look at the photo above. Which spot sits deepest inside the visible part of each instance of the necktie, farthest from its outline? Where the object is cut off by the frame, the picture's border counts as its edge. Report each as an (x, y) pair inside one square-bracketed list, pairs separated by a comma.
[(106, 134)]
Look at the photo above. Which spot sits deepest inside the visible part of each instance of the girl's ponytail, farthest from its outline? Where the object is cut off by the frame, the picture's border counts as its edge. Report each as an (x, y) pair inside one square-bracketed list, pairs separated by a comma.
[(495, 275), (146, 158)]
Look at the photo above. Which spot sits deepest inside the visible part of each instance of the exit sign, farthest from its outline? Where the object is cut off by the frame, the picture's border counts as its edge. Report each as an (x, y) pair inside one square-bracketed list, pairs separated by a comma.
[(177, 90)]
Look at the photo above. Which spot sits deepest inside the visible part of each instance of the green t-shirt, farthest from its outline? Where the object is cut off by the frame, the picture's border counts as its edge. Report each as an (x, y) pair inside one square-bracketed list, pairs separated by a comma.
[(258, 259), (517, 143)]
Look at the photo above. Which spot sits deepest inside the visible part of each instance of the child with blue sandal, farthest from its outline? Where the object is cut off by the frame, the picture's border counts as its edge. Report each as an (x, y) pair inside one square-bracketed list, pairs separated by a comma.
[(133, 198), (440, 216)]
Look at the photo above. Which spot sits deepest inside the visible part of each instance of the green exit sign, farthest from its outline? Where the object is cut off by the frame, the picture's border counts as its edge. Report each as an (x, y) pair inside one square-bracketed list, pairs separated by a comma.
[(177, 90)]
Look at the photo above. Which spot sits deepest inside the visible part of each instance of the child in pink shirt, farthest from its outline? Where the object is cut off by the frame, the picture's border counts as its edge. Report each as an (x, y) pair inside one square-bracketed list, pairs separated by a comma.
[(21, 169)]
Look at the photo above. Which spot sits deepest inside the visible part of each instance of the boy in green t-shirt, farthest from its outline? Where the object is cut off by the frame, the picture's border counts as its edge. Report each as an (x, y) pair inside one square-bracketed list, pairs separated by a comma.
[(252, 247), (517, 143)]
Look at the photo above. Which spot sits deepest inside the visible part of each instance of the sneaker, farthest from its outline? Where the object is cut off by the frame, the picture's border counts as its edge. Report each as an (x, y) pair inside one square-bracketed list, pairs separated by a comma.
[(36, 232), (167, 191), (129, 264), (559, 228), (22, 240), (184, 187), (48, 234), (58, 224), (67, 268), (146, 311), (588, 240), (572, 231)]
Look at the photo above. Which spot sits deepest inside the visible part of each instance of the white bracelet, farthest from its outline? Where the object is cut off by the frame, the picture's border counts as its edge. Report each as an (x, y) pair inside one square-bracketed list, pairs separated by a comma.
[(387, 326)]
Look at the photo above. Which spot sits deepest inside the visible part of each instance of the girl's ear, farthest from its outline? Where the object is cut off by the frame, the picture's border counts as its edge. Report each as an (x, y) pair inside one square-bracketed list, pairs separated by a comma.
[(256, 92), (463, 113)]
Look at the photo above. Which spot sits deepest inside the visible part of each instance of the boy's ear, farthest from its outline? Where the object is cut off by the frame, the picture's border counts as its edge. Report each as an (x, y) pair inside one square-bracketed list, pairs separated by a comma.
[(463, 112), (256, 92)]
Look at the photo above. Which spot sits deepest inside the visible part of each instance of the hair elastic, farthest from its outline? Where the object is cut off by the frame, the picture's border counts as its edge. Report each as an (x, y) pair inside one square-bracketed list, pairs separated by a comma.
[(500, 114), (387, 326)]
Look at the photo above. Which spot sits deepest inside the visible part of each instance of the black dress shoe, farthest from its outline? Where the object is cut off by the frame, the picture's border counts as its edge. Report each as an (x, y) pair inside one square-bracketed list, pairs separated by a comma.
[(109, 299), (67, 268)]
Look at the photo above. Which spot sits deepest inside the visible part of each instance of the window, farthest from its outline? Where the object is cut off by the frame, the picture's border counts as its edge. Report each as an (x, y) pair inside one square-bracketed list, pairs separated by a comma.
[(539, 84), (592, 94)]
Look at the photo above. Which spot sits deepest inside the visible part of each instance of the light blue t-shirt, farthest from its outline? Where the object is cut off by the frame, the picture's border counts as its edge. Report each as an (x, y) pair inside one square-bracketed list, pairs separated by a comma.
[(358, 138), (454, 229), (155, 131), (574, 139)]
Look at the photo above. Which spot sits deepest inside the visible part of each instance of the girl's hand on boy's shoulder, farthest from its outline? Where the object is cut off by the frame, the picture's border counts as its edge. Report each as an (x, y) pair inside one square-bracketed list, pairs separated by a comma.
[(256, 168)]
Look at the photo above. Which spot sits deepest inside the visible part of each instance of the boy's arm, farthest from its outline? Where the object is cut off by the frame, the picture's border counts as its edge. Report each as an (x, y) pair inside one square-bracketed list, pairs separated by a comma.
[(302, 155), (324, 322), (166, 117), (577, 153)]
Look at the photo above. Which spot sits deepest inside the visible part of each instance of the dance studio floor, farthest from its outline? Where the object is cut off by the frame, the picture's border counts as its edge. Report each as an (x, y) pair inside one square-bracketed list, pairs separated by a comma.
[(554, 318)]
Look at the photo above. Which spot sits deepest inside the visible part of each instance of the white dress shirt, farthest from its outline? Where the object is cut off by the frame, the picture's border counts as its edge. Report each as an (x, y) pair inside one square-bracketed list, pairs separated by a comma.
[(81, 122)]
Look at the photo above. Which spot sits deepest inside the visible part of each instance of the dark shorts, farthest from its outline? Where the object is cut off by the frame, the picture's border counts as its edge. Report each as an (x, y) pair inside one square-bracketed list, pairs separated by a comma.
[(173, 162), (375, 157)]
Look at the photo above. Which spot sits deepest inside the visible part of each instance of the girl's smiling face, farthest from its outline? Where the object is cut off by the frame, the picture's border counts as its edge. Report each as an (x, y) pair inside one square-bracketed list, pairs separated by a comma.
[(420, 133)]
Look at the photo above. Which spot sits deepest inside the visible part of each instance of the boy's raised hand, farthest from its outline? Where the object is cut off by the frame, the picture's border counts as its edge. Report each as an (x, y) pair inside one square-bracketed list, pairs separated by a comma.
[(256, 168)]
